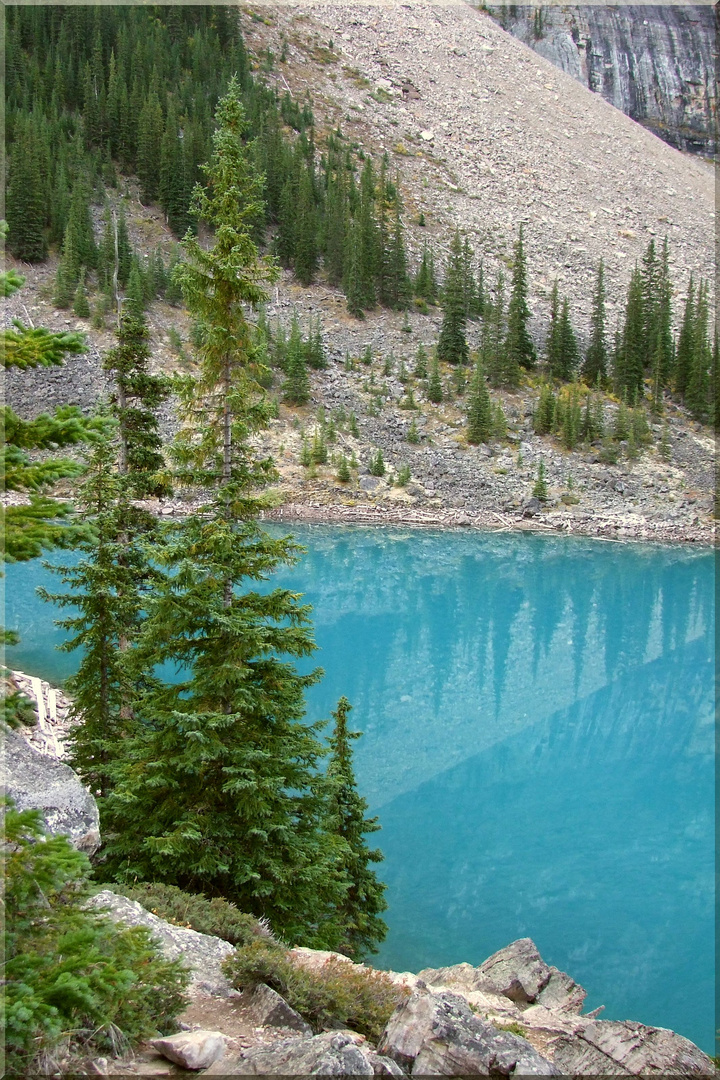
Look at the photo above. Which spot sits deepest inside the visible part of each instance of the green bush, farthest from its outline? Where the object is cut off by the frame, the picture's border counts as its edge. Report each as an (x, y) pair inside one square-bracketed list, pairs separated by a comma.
[(215, 916), (75, 984), (336, 993)]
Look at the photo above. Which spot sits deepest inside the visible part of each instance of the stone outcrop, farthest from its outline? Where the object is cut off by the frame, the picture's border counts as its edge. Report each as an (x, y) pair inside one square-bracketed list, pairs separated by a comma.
[(201, 953), (653, 62), (334, 1053), (438, 1035), (37, 781)]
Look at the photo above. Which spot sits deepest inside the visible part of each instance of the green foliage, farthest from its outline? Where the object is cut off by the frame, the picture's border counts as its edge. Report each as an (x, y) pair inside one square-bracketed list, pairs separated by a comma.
[(296, 388), (403, 476), (544, 415), (421, 369), (318, 450), (213, 916), (16, 710), (452, 346), (81, 307), (359, 911), (343, 470), (74, 982), (595, 367), (520, 351), (540, 489), (434, 389), (413, 435), (24, 347), (336, 995), (376, 464), (480, 411)]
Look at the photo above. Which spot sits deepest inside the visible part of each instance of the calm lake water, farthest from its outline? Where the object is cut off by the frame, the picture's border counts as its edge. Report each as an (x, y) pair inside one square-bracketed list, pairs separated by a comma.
[(539, 741)]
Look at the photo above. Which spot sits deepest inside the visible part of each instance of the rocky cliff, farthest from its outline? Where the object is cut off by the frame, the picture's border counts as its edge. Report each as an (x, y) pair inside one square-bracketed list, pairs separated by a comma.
[(654, 63)]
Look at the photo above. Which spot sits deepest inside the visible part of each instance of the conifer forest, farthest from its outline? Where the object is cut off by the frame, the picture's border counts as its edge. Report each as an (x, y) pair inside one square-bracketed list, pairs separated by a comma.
[(191, 725)]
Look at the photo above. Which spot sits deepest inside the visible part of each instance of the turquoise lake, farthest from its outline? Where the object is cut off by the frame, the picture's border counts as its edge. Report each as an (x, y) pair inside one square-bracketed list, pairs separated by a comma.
[(539, 746)]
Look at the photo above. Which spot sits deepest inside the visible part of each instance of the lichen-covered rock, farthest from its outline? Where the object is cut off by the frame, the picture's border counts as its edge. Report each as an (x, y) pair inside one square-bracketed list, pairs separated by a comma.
[(192, 1049), (334, 1053), (201, 953), (265, 1006), (37, 781), (438, 1035)]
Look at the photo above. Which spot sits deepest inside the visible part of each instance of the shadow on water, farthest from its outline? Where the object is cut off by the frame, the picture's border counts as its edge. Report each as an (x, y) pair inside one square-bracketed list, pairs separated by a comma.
[(538, 741)]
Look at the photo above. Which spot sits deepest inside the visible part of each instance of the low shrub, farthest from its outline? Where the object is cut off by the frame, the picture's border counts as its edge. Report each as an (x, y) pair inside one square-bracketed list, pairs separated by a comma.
[(74, 983), (215, 916), (337, 993)]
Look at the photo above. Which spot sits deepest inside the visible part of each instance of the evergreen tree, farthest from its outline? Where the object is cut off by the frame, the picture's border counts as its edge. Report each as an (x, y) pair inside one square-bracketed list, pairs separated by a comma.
[(434, 389), (81, 307), (565, 347), (296, 388), (421, 370), (305, 246), (480, 413), (174, 186), (540, 489), (519, 347), (663, 344), (552, 344), (149, 146), (231, 802), (630, 378), (697, 395), (359, 912), (452, 346), (544, 417), (686, 343), (493, 339), (27, 195), (595, 366), (425, 283), (650, 274)]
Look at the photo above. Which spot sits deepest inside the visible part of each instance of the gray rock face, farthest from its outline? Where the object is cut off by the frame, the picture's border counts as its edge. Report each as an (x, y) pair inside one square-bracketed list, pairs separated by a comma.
[(192, 1049), (265, 1006), (438, 1035), (201, 953), (623, 1048), (519, 973), (334, 1053), (654, 63), (38, 782)]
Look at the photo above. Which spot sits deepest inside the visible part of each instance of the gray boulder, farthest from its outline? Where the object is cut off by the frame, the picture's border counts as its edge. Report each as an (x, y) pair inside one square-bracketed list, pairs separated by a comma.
[(39, 782), (192, 1049), (438, 1035), (624, 1048), (265, 1006), (520, 973), (334, 1053), (201, 953)]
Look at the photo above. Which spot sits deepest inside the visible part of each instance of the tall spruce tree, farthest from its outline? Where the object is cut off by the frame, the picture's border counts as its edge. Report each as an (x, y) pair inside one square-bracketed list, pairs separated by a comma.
[(27, 194), (566, 353), (519, 345), (480, 412), (230, 802), (358, 913), (697, 395), (452, 345), (629, 377), (686, 343), (595, 368)]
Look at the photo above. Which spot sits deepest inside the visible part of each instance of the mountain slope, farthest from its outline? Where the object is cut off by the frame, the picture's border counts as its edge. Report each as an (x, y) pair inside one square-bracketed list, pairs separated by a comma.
[(497, 135)]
